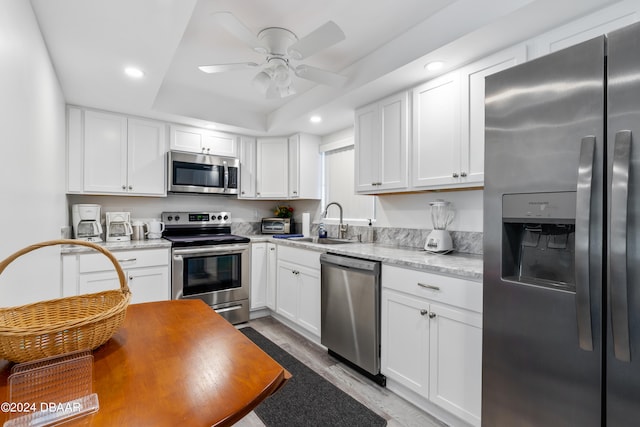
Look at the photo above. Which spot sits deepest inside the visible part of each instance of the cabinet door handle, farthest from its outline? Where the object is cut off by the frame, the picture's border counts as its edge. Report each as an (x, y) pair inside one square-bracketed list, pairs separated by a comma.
[(124, 187), (455, 174), (432, 315), (127, 260), (130, 278), (131, 187), (463, 174), (423, 312), (272, 249), (432, 287)]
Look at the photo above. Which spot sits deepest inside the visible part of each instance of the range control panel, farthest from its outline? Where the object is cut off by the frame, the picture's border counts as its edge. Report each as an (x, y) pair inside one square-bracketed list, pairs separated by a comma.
[(196, 218)]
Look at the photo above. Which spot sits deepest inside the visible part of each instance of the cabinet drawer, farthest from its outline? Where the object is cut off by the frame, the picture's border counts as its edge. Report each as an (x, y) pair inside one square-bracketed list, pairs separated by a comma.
[(449, 290), (298, 256), (128, 259)]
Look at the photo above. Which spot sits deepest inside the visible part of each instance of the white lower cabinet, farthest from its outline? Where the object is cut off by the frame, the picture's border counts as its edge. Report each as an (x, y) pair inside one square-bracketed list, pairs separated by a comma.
[(432, 339), (263, 275), (298, 287), (146, 271)]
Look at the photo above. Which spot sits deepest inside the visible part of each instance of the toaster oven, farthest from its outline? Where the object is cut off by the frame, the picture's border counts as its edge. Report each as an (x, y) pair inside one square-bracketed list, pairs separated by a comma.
[(277, 226)]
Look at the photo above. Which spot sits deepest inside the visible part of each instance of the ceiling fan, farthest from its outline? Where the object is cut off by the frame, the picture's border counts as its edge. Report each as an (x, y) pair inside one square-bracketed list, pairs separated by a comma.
[(280, 46)]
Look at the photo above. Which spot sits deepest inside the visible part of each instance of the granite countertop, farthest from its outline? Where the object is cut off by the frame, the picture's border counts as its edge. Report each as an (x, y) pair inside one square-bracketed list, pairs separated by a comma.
[(119, 246), (462, 265)]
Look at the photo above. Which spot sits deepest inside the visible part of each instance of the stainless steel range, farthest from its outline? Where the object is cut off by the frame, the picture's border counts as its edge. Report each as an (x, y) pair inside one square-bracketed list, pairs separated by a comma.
[(208, 262)]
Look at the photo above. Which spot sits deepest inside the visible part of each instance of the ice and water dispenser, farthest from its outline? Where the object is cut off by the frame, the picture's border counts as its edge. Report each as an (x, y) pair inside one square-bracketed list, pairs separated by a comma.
[(538, 239)]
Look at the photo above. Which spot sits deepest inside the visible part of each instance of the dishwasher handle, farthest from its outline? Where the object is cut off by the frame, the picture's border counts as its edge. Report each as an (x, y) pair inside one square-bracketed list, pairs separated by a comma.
[(348, 263)]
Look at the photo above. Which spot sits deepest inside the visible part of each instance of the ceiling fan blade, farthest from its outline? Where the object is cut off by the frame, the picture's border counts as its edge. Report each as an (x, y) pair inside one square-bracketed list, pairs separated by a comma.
[(321, 38), (234, 26), (220, 68), (320, 76)]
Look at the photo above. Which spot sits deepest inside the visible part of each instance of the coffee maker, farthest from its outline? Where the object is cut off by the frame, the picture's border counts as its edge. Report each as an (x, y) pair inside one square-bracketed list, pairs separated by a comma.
[(118, 226), (86, 222)]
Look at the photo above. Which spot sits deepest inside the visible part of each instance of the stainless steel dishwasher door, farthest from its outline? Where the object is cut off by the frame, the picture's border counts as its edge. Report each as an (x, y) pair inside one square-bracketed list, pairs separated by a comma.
[(350, 309)]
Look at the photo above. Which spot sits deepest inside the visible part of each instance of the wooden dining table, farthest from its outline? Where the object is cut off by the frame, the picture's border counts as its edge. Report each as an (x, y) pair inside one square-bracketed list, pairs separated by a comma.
[(175, 363)]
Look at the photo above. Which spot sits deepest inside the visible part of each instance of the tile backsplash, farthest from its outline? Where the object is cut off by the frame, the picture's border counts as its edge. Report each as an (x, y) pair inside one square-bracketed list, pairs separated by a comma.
[(463, 241)]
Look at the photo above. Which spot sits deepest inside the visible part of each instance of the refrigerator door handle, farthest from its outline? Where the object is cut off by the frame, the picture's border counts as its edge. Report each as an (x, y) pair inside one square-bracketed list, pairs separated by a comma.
[(618, 246), (582, 238)]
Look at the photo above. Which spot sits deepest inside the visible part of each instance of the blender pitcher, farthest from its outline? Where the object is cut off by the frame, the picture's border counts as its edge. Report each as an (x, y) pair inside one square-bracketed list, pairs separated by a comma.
[(439, 240)]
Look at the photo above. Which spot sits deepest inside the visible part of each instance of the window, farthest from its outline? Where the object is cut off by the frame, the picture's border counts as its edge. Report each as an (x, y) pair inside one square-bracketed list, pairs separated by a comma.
[(338, 186)]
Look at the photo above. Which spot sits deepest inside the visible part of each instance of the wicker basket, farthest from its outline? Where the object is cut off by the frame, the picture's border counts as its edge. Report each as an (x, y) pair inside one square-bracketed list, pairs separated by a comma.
[(63, 325)]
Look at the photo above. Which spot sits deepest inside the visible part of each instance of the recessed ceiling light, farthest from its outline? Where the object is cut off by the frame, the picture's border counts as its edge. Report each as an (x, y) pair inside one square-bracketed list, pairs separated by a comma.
[(315, 119), (134, 72), (434, 66)]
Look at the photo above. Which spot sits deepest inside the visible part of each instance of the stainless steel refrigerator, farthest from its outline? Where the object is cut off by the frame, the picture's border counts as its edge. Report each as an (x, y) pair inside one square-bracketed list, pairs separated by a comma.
[(561, 326)]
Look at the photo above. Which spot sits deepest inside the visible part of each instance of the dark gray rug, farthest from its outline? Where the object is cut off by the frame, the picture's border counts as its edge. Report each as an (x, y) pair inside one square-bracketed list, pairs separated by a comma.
[(307, 399)]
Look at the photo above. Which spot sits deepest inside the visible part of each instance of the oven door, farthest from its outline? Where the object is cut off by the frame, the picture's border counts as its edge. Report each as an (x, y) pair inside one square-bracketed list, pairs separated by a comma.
[(215, 274)]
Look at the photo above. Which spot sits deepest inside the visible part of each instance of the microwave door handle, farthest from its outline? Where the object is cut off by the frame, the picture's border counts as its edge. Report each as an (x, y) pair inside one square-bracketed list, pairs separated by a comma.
[(618, 246), (226, 175), (582, 237)]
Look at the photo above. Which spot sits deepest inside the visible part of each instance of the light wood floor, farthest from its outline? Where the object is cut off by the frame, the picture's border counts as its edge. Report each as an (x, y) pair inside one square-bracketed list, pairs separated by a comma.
[(395, 410)]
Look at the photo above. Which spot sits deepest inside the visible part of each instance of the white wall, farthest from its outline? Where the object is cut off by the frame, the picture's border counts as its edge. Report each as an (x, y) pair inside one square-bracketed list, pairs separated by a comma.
[(413, 211), (32, 193)]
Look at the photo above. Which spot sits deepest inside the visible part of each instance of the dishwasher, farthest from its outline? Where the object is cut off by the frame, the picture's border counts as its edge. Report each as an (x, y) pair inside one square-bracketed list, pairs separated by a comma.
[(350, 312)]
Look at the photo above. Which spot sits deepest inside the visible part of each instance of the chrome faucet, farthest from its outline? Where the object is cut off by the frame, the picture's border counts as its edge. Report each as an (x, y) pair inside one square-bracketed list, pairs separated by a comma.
[(342, 228)]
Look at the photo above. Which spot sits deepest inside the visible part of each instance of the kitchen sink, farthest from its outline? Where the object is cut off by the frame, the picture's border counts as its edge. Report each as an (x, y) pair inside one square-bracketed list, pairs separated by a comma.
[(324, 241)]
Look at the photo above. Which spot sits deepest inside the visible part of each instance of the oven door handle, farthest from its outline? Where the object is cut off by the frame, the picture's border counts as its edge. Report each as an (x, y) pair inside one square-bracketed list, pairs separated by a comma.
[(221, 250)]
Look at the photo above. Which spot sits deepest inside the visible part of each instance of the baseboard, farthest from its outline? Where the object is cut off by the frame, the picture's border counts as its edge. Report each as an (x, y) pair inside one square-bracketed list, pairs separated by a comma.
[(425, 405)]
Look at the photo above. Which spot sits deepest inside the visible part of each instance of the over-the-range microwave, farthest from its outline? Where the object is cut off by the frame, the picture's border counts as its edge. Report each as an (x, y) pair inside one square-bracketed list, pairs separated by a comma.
[(202, 173)]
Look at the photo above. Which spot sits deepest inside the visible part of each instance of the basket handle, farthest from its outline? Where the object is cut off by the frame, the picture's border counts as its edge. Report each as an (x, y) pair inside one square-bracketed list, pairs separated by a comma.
[(123, 281)]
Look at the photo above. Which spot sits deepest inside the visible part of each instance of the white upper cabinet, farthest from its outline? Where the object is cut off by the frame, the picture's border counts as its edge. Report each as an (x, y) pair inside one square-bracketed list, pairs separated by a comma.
[(105, 153), (590, 26), (146, 157), (448, 124), (436, 132), (381, 141), (113, 154), (272, 171), (471, 166), (197, 140), (304, 167), (281, 168), (247, 167)]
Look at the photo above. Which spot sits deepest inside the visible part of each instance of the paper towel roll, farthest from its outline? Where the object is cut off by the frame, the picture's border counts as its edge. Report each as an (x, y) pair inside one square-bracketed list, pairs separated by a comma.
[(306, 223)]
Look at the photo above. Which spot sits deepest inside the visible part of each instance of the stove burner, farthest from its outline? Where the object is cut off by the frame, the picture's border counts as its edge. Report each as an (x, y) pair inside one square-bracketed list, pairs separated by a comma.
[(199, 229)]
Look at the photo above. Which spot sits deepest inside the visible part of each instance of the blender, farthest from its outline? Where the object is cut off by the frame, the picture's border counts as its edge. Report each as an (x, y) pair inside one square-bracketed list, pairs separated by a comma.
[(439, 240)]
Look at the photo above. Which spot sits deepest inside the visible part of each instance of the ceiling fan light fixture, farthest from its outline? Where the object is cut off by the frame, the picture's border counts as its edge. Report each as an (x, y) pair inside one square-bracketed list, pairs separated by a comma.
[(281, 76), (262, 81)]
